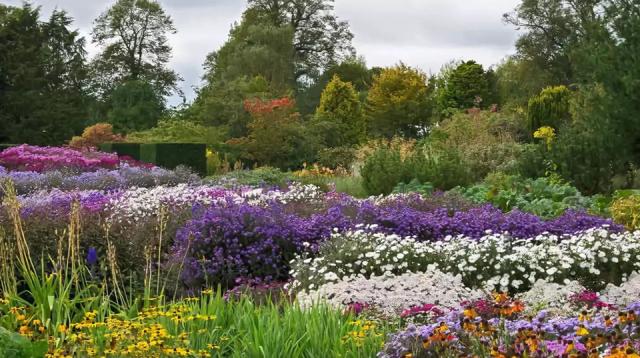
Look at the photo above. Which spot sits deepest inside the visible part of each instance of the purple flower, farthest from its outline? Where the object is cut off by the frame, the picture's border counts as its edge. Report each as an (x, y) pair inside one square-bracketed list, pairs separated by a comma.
[(92, 256)]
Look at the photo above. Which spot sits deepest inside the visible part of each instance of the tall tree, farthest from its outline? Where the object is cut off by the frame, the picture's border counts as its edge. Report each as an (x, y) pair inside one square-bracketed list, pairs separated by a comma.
[(319, 38), (398, 103), (133, 36), (464, 87), (340, 113), (42, 77), (553, 28)]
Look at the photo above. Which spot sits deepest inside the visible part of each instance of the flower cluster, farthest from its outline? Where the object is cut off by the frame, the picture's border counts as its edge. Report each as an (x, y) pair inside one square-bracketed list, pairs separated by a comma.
[(41, 159), (595, 258), (504, 331), (393, 294), (101, 179)]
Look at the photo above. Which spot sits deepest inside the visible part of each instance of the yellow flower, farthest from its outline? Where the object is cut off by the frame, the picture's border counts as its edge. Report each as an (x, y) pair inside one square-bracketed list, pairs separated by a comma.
[(62, 329)]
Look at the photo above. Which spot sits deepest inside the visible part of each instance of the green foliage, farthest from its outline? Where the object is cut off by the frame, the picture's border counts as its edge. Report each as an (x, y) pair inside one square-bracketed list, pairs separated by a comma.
[(541, 196), (464, 87), (398, 103), (178, 131), (339, 157), (134, 106), (444, 168), (133, 37), (42, 77), (319, 39), (382, 171), (353, 70), (172, 155), (13, 345), (262, 176), (484, 141), (414, 186), (122, 149), (340, 109), (549, 109), (517, 80)]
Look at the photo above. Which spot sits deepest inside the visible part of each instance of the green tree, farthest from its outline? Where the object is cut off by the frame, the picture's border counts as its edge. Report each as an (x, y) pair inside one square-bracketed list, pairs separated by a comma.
[(517, 80), (550, 108), (554, 28), (398, 103), (464, 87), (319, 38), (353, 70), (135, 106), (340, 110), (133, 37), (42, 77)]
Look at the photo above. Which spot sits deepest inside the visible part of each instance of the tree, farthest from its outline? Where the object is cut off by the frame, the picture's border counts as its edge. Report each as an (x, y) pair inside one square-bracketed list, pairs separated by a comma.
[(398, 103), (464, 87), (340, 111), (42, 77), (276, 136), (550, 108), (135, 106), (553, 30), (319, 38), (353, 70), (133, 36), (517, 80)]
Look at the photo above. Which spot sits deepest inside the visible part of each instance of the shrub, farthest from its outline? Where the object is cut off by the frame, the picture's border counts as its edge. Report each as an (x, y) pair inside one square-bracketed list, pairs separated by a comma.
[(382, 171), (541, 196), (93, 136), (262, 176), (625, 210), (339, 157), (172, 155), (131, 150), (550, 108)]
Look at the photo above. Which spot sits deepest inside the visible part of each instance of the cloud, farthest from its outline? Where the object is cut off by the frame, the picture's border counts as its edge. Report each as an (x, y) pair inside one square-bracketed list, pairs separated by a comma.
[(422, 33)]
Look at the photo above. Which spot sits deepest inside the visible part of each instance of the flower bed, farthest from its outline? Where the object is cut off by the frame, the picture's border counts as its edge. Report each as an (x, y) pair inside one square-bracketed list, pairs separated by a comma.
[(41, 159)]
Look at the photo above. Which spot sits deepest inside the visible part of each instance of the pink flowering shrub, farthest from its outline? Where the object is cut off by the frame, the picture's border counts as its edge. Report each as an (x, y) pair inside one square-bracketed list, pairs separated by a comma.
[(41, 159)]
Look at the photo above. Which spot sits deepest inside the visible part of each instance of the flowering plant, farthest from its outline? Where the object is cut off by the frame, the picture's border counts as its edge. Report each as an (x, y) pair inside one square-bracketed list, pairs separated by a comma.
[(40, 159)]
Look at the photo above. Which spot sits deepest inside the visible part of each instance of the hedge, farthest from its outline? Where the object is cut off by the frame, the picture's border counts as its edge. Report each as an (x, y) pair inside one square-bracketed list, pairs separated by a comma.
[(122, 149), (171, 155)]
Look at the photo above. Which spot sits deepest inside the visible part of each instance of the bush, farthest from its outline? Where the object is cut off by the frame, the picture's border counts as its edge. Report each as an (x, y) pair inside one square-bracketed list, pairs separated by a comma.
[(131, 150), (625, 210), (541, 196), (444, 168), (172, 155), (383, 171), (41, 159), (339, 157), (263, 176), (551, 108), (93, 136)]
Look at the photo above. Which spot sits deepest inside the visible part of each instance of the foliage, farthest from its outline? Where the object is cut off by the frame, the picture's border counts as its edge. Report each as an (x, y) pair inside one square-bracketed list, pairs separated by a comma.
[(339, 110), (174, 155), (339, 157), (134, 106), (382, 171), (15, 345), (414, 186), (466, 86), (541, 196), (625, 209), (517, 80), (178, 131), (484, 142), (319, 38), (398, 103), (259, 177), (276, 136), (353, 70), (133, 37), (95, 135), (42, 77), (549, 109)]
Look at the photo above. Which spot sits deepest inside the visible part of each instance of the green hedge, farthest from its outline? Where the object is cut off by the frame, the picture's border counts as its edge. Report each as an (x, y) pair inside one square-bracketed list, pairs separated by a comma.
[(129, 149), (170, 155)]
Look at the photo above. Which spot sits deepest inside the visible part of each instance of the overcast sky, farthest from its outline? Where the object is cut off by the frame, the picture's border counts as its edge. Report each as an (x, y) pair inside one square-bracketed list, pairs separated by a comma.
[(421, 33)]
